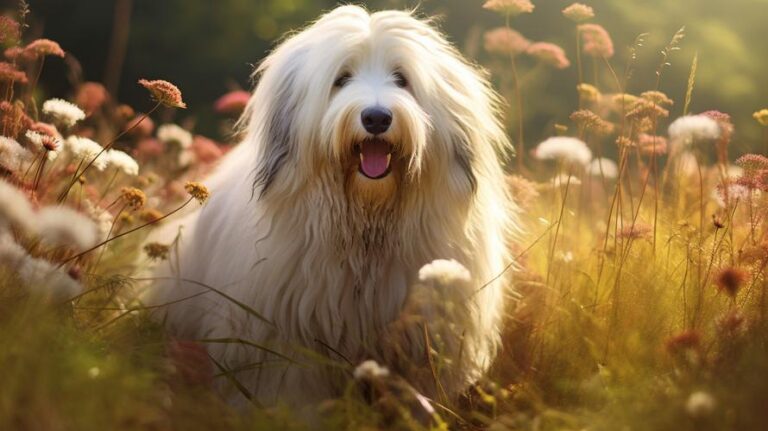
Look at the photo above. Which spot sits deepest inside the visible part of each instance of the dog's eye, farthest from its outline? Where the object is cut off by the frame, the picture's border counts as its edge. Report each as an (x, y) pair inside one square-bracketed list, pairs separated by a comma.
[(400, 79), (342, 80)]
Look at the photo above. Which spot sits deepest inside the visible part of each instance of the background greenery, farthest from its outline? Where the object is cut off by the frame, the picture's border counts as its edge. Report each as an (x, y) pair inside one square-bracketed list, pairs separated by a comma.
[(208, 47)]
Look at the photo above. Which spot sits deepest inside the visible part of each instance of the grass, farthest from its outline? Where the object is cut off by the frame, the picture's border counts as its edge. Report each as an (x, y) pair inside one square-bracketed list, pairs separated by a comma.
[(643, 294)]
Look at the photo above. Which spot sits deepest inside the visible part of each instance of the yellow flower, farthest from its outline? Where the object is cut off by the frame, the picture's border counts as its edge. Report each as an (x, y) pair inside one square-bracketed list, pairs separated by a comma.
[(761, 117), (197, 191), (134, 197)]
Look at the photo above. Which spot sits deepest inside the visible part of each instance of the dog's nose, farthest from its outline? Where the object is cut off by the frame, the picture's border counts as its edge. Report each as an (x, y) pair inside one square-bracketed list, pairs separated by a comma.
[(376, 120)]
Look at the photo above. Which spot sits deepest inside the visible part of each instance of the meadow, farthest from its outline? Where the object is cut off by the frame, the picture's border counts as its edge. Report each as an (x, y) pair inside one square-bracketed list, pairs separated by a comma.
[(639, 294)]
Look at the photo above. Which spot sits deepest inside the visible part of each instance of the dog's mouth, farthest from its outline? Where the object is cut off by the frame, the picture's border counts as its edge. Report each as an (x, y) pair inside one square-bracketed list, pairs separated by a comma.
[(375, 158)]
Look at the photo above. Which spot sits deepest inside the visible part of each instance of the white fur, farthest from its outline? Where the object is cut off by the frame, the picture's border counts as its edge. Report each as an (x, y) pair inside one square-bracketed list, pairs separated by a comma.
[(330, 257)]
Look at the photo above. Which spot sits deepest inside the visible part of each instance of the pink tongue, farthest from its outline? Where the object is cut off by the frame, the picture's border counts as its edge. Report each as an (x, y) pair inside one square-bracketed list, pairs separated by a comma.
[(374, 161)]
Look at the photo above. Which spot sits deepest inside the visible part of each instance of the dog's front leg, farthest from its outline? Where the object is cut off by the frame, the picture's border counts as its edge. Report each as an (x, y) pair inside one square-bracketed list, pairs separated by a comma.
[(431, 343)]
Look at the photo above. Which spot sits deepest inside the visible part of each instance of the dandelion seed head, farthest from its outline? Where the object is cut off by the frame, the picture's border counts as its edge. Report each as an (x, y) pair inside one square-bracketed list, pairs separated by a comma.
[(564, 149), (603, 167), (122, 161), (63, 226), (173, 134), (370, 369), (63, 112)]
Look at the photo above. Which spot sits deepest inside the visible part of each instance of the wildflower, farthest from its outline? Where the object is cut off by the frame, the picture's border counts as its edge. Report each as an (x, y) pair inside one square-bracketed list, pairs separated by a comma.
[(700, 404), (233, 102), (197, 191), (650, 144), (563, 180), (149, 148), (173, 134), (370, 369), (754, 254), (10, 31), (578, 12), (588, 120), (125, 112), (549, 53), (206, 150), (122, 161), (42, 48), (151, 215), (563, 148), (164, 92), (91, 96), (13, 118), (62, 226), (11, 253), (509, 7), (603, 167), (505, 41), (643, 108), (101, 217), (15, 208), (752, 162), (623, 141), (84, 149), (157, 251), (731, 192), (635, 231), (444, 272), (9, 73), (597, 41), (44, 143), (523, 190), (693, 128), (134, 197), (730, 279), (140, 125), (62, 111), (686, 340), (761, 117), (46, 129), (12, 154), (588, 93), (658, 98), (46, 279), (14, 53)]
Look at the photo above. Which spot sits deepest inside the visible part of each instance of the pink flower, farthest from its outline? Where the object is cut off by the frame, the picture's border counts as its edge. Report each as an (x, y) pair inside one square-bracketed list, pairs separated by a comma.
[(597, 41), (505, 41), (510, 7), (149, 148), (205, 150), (145, 128), (91, 96), (549, 53), (43, 47), (233, 102)]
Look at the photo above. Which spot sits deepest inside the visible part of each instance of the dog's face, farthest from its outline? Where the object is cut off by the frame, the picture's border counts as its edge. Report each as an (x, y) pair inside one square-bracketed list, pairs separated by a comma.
[(379, 104)]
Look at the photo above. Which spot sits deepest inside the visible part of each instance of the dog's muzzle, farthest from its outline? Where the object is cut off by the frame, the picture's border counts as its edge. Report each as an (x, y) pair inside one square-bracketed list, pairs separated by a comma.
[(375, 158)]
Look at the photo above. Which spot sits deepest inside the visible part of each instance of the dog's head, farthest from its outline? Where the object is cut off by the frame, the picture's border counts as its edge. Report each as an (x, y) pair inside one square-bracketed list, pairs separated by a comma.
[(379, 104)]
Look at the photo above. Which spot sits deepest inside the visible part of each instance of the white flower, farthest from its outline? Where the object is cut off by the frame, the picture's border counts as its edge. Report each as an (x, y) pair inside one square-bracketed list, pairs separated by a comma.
[(15, 208), (692, 128), (13, 155), (84, 149), (563, 148), (62, 226), (444, 272), (11, 253), (370, 369), (700, 404), (102, 217), (687, 164), (45, 278), (563, 179), (730, 193), (603, 167), (171, 133), (186, 158), (62, 111), (38, 141), (120, 160)]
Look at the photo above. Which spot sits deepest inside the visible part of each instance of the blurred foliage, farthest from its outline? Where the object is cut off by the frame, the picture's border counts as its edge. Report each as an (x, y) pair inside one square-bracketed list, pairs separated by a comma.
[(209, 47)]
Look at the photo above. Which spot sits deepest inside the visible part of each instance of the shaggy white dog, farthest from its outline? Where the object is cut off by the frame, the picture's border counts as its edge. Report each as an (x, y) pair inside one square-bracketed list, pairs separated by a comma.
[(371, 149)]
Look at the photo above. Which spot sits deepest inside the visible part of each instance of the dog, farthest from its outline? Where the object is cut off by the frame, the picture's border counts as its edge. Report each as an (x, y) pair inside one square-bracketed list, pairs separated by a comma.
[(364, 216)]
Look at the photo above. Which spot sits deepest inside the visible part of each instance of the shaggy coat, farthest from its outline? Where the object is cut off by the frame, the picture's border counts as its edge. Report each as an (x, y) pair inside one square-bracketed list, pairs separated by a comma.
[(314, 265)]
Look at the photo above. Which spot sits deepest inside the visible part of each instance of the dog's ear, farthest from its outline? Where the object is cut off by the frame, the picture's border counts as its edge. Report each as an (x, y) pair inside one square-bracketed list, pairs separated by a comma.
[(274, 110)]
